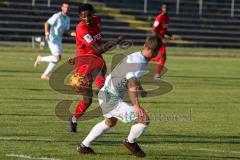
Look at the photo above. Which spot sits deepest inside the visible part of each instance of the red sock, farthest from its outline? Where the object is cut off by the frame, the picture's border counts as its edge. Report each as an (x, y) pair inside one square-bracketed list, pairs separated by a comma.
[(160, 65), (80, 109)]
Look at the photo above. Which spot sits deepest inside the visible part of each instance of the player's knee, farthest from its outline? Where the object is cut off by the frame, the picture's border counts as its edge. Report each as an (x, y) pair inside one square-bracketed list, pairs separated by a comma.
[(111, 122), (144, 120), (58, 58), (88, 101)]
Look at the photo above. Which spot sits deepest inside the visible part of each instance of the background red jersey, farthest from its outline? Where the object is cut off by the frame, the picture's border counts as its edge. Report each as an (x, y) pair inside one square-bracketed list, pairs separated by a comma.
[(87, 35), (160, 24)]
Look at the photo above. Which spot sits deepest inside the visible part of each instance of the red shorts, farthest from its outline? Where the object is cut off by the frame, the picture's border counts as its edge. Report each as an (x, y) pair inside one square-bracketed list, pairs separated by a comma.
[(90, 65), (161, 53)]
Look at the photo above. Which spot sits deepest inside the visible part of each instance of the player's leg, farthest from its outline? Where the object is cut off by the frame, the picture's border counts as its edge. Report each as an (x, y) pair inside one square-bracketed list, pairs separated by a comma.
[(136, 131), (81, 108), (50, 67), (56, 50), (101, 127), (161, 61), (100, 79), (98, 130), (160, 66), (126, 114)]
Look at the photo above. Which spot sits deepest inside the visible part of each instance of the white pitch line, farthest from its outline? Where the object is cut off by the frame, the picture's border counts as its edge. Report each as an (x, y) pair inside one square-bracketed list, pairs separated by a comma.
[(23, 139), (29, 157), (214, 150)]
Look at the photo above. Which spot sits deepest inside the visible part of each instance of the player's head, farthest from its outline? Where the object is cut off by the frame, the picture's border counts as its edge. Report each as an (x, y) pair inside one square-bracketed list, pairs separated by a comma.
[(85, 12), (151, 47), (164, 8), (65, 8)]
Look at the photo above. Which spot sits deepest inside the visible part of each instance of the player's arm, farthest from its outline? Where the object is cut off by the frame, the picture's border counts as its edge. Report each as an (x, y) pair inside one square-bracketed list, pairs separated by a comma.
[(51, 21), (172, 37), (100, 49), (141, 90), (133, 95), (155, 27), (46, 30), (69, 32)]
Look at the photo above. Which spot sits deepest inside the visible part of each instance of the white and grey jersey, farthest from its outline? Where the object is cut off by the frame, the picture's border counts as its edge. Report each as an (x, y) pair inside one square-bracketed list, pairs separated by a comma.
[(115, 86)]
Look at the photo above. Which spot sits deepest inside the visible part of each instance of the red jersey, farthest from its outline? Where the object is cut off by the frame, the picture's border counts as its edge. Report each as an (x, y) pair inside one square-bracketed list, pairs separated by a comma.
[(87, 35), (161, 23)]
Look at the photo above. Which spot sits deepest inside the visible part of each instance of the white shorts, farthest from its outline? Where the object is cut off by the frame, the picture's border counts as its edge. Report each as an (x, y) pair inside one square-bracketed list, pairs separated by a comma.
[(55, 48), (113, 106), (123, 111)]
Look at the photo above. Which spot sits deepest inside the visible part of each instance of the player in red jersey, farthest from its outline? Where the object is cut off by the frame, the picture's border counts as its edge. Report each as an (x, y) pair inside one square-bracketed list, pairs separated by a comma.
[(89, 43), (160, 28)]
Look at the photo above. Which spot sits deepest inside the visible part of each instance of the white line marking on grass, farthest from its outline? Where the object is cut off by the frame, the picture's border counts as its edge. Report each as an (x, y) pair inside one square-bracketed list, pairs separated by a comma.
[(29, 157), (215, 150), (26, 139)]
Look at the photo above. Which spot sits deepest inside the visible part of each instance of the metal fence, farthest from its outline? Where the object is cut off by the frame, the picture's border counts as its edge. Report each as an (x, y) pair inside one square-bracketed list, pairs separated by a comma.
[(178, 5), (200, 4)]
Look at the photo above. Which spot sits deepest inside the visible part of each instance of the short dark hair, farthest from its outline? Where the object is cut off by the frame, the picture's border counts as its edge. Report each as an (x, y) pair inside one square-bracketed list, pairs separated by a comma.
[(65, 2), (153, 43), (165, 3), (85, 7)]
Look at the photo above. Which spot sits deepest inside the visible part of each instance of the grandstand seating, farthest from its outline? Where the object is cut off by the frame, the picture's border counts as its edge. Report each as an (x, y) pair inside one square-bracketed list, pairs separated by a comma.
[(19, 21)]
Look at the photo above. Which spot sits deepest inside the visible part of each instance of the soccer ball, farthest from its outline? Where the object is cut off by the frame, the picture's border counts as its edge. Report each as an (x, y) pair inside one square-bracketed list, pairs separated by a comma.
[(79, 82)]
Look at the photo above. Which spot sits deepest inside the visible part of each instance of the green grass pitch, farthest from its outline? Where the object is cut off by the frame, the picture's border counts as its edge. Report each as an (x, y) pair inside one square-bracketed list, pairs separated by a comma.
[(206, 93)]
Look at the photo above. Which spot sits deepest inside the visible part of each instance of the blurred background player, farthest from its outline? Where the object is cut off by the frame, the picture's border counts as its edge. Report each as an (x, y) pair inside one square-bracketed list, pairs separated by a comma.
[(160, 28), (59, 23), (124, 78), (89, 42)]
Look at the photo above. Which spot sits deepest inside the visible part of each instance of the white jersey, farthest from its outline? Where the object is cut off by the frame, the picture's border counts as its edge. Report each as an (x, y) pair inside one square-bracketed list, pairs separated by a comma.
[(115, 86), (59, 24)]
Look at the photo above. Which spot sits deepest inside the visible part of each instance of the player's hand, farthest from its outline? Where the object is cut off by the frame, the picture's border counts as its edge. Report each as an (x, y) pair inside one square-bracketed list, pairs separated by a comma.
[(47, 37), (172, 38), (164, 40), (143, 93), (73, 34), (71, 61), (141, 114)]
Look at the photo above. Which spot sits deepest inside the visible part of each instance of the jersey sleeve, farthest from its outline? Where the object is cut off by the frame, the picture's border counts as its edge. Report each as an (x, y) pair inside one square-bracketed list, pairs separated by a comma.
[(98, 20), (137, 75), (84, 36), (157, 21), (52, 19)]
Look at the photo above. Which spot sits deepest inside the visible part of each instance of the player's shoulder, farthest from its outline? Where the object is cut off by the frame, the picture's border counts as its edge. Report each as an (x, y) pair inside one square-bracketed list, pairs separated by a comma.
[(81, 26), (160, 15), (136, 57), (57, 15), (97, 19)]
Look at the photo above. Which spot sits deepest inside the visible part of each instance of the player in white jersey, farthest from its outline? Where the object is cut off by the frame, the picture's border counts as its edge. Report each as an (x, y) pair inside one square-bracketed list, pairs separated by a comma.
[(124, 78), (59, 24)]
